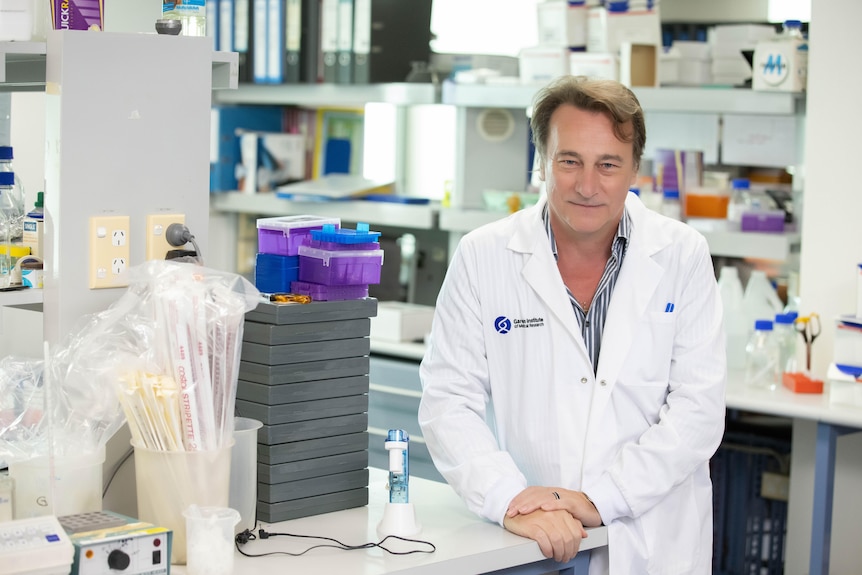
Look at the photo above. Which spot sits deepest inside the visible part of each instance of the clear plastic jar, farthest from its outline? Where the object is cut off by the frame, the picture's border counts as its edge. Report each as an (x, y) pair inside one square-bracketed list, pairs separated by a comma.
[(740, 200), (762, 357), (786, 336), (670, 205)]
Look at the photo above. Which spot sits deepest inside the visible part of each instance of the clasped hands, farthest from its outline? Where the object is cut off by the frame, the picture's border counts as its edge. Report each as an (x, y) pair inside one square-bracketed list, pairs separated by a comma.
[(553, 517)]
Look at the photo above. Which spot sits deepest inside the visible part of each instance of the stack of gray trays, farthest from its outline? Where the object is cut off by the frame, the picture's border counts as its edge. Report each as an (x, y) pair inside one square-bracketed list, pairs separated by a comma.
[(304, 374)]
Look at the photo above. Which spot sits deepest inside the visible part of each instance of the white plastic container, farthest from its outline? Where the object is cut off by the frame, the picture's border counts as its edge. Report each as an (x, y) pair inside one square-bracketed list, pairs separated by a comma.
[(735, 326), (16, 20), (243, 471), (759, 300)]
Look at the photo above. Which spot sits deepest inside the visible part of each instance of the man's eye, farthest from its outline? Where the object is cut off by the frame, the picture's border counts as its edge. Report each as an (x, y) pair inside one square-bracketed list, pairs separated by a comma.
[(608, 166)]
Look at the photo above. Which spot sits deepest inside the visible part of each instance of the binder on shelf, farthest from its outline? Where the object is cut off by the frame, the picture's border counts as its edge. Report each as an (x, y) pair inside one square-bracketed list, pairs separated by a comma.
[(388, 35), (275, 41), (293, 14), (225, 25), (213, 11), (225, 149), (260, 8), (329, 39), (338, 142), (242, 30), (310, 49), (344, 73)]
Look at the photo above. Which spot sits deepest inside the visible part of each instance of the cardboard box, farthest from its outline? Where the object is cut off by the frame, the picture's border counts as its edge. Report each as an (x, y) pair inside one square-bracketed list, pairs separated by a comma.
[(607, 30), (78, 15), (562, 23), (639, 65), (401, 321), (594, 64), (541, 64)]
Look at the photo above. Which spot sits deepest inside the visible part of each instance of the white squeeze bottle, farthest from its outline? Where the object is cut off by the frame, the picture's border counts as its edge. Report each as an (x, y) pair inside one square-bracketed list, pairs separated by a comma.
[(735, 326)]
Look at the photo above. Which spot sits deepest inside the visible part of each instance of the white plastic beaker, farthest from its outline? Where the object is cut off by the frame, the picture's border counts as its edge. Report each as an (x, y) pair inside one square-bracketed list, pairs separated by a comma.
[(209, 540), (76, 486), (243, 471)]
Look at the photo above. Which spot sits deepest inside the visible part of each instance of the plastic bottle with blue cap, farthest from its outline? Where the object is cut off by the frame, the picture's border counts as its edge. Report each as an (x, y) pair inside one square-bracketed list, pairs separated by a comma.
[(740, 200), (762, 357), (8, 214)]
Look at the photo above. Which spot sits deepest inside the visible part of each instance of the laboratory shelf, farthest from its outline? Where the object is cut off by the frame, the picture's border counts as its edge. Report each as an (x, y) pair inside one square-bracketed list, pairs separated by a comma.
[(423, 217), (317, 95), (22, 67), (722, 240), (463, 220), (20, 297), (668, 99), (725, 241)]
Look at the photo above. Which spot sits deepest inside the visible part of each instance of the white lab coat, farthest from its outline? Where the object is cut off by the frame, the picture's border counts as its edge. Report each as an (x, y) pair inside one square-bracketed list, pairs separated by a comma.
[(506, 348)]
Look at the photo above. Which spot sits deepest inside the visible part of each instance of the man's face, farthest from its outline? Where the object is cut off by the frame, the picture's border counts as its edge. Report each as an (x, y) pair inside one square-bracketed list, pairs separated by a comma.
[(587, 171)]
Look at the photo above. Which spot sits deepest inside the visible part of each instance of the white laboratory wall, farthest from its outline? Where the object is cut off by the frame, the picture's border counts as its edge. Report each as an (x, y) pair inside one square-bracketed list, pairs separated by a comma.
[(831, 249)]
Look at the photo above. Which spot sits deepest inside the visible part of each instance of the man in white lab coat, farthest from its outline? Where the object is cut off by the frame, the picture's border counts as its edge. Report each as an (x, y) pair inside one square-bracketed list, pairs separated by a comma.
[(576, 368)]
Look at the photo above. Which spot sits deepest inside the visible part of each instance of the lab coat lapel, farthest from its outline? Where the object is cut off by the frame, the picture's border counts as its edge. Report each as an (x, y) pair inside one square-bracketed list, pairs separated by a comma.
[(639, 277), (541, 274)]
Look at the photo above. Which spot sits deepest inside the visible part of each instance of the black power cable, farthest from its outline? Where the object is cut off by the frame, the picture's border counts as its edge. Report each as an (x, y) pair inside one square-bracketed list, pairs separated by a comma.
[(245, 536)]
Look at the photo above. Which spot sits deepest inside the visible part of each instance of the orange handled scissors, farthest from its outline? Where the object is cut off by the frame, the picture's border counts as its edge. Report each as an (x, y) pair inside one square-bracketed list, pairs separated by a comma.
[(809, 327)]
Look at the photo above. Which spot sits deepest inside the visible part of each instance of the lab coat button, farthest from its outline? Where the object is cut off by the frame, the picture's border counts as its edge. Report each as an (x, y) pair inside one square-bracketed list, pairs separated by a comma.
[(603, 382), (583, 380)]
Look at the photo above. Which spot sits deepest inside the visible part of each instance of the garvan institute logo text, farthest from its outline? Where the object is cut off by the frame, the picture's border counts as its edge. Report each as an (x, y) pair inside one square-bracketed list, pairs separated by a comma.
[(504, 325)]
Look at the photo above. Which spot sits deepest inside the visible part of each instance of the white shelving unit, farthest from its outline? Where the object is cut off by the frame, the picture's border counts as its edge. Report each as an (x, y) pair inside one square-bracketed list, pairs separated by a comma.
[(421, 217), (316, 95), (712, 100), (127, 133)]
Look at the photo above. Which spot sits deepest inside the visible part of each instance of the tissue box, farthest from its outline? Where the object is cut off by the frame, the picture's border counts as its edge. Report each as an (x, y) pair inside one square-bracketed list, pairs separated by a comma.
[(401, 321), (77, 15), (847, 346)]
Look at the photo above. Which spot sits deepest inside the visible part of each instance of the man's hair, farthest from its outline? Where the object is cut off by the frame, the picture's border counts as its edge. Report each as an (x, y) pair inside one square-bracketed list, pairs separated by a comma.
[(593, 95)]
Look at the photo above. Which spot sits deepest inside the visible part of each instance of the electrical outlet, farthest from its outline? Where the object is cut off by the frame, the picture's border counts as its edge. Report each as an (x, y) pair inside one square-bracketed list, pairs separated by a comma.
[(157, 245), (109, 251)]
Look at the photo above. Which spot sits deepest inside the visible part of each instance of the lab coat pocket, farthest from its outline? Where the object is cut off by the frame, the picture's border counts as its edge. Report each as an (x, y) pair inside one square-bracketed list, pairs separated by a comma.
[(651, 352)]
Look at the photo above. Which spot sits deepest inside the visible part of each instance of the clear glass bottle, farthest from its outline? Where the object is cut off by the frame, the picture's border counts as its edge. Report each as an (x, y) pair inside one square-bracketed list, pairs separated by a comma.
[(17, 192), (786, 336), (740, 200), (670, 205), (192, 14), (762, 357), (7, 219)]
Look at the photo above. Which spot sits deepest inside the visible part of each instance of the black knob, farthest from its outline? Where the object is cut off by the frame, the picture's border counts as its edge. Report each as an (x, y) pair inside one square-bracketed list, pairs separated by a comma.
[(118, 560)]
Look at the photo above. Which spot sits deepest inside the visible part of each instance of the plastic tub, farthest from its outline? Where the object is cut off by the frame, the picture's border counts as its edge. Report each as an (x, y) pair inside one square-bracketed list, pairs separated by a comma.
[(168, 482), (329, 267), (77, 485), (283, 235), (243, 471), (273, 273), (210, 532)]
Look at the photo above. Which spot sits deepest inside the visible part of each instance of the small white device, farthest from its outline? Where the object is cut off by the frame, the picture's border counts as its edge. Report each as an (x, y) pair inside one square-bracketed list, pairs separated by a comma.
[(35, 546), (399, 516)]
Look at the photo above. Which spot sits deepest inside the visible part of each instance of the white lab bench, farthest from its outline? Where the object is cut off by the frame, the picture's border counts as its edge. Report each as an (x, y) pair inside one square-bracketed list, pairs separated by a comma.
[(465, 544), (808, 411)]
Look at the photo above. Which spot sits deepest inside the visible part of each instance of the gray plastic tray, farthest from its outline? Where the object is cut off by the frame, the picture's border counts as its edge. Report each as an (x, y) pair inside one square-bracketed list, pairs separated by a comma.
[(291, 490), (307, 468), (275, 512), (312, 429), (303, 411), (311, 448), (303, 391), (308, 371), (268, 312), (304, 352), (270, 334)]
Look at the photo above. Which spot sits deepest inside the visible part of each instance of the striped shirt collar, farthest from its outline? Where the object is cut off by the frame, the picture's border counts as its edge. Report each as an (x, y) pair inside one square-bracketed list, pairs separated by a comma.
[(621, 241)]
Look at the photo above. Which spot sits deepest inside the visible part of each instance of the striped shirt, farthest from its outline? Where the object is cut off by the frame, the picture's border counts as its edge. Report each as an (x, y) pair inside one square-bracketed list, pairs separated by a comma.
[(592, 321)]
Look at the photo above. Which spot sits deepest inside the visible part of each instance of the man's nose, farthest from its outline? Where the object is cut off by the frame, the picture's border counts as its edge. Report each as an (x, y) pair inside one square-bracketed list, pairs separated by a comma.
[(587, 184)]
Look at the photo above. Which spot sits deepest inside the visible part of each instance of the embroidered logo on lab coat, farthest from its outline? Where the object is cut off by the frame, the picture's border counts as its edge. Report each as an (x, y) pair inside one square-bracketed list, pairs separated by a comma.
[(504, 325)]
